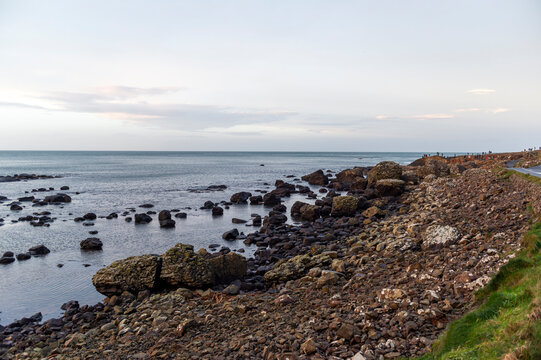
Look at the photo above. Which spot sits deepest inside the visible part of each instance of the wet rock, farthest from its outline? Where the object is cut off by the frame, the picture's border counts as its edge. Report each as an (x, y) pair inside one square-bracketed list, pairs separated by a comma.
[(64, 188), (134, 274), (146, 206), (164, 215), (165, 220), (8, 254), (230, 235), (238, 221), (15, 207), (39, 250), (90, 216), (91, 244), (271, 199), (58, 198), (23, 256), (316, 178), (217, 211), (207, 205), (7, 259), (240, 197), (309, 212), (26, 198), (181, 215), (256, 200), (142, 218)]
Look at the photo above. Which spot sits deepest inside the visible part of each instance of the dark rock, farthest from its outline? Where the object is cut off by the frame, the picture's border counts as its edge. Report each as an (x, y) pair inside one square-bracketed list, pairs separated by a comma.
[(6, 260), (384, 170), (316, 178), (181, 215), (164, 215), (217, 211), (280, 208), (271, 199), (146, 206), (64, 188), (240, 197), (23, 256), (389, 187), (26, 198), (256, 200), (207, 205), (39, 250), (91, 244), (15, 207), (58, 198), (238, 221), (90, 216), (167, 224), (8, 254), (230, 235), (142, 219)]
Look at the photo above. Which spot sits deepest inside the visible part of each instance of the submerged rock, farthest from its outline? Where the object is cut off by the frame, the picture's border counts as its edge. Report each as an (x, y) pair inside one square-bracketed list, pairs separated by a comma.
[(91, 244), (39, 250)]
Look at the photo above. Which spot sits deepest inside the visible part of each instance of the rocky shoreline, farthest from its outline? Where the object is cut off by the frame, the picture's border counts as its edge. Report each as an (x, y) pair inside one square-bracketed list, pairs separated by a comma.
[(376, 269)]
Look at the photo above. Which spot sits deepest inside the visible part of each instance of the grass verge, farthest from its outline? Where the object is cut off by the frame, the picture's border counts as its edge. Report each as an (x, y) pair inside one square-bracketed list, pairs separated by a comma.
[(507, 324)]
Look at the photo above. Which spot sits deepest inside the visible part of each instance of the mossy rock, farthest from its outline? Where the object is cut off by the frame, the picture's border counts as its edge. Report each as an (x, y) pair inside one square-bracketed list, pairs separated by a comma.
[(384, 170), (181, 266), (344, 205), (133, 274), (295, 267)]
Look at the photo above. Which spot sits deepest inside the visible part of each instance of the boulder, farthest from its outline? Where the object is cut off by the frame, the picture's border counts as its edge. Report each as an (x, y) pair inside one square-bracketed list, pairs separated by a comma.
[(64, 188), (207, 205), (296, 208), (39, 250), (6, 260), (142, 218), (271, 199), (58, 198), (316, 178), (456, 169), (15, 207), (434, 167), (240, 197), (228, 267), (134, 274), (310, 212), (164, 215), (344, 205), (91, 244), (182, 267), (23, 256), (90, 216), (167, 224), (390, 187), (275, 219), (217, 211), (437, 236), (384, 170), (295, 267), (359, 185), (230, 235), (181, 215), (8, 254), (256, 199)]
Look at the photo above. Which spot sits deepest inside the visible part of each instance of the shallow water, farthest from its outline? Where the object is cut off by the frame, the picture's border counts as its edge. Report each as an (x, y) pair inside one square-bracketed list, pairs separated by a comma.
[(113, 181)]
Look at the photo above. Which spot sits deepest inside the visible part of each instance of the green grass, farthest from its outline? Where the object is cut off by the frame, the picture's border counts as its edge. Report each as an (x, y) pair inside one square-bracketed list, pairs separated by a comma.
[(508, 318), (505, 174)]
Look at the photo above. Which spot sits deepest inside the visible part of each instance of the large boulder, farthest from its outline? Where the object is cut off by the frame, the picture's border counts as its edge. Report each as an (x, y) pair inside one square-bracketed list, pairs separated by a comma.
[(433, 167), (316, 178), (295, 267), (437, 236), (271, 199), (58, 198), (39, 250), (133, 274), (359, 185), (296, 208), (384, 170), (228, 267), (240, 197), (181, 266), (344, 205), (390, 187)]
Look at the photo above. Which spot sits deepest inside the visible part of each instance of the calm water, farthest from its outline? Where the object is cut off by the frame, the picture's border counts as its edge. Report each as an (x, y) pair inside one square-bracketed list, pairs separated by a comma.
[(113, 181)]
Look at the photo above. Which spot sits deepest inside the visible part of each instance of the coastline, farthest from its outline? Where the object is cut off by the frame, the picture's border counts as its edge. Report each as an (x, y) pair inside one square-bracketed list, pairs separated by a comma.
[(351, 265)]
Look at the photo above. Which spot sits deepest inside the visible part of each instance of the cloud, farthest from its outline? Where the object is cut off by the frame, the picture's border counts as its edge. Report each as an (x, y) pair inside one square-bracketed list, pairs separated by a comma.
[(431, 116), (481, 91), (499, 110), (468, 110)]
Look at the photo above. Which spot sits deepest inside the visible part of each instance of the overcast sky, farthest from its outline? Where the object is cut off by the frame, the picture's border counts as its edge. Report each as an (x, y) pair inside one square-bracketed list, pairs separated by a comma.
[(270, 75)]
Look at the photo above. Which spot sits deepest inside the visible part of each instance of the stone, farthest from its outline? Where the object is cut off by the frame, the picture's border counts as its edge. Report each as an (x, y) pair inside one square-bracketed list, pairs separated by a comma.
[(384, 170), (344, 206), (389, 187), (230, 235), (58, 198), (434, 167), (181, 266), (295, 267), (240, 197), (91, 243), (217, 211), (309, 347), (164, 215), (134, 274), (346, 331), (316, 178), (39, 250), (23, 256), (310, 212), (90, 216), (271, 199), (437, 236), (228, 267), (142, 218)]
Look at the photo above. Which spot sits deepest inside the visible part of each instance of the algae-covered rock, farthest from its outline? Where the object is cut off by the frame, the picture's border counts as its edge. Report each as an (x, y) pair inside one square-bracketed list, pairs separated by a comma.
[(295, 267), (228, 267), (310, 212), (384, 170), (433, 167), (344, 205), (389, 187), (182, 267), (316, 178), (133, 274)]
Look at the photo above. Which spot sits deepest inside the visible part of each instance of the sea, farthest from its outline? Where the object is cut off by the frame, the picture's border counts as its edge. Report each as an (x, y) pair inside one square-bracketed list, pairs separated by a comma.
[(106, 182)]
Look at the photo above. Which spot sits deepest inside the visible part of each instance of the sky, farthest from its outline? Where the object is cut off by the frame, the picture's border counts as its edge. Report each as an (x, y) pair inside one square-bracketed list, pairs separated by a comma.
[(253, 75)]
